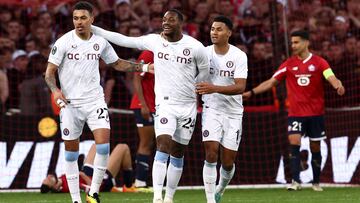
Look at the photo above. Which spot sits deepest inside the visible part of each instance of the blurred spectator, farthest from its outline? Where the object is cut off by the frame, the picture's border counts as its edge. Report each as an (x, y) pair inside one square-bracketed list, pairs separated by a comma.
[(4, 83), (30, 45), (14, 30), (156, 7), (34, 93), (261, 67), (155, 23), (16, 76), (341, 29), (5, 17), (124, 13)]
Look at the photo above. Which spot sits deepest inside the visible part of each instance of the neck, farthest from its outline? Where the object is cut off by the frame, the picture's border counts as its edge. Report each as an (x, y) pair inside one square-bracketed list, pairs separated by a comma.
[(221, 48), (84, 36), (174, 38), (304, 55)]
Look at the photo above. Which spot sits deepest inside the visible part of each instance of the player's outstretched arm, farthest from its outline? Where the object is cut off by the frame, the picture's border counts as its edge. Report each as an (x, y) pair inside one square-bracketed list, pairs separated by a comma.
[(51, 82), (128, 66), (336, 84), (263, 87), (116, 38), (208, 88)]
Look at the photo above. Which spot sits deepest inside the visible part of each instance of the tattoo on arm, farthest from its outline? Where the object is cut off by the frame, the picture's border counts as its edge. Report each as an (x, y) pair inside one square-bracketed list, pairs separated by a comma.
[(51, 82), (127, 66)]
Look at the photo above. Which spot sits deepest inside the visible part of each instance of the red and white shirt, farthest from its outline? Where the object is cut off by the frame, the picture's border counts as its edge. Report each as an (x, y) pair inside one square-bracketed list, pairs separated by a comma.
[(304, 84)]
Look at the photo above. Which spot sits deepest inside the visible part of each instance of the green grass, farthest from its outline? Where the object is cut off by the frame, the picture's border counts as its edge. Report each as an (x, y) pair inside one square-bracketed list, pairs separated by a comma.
[(330, 195)]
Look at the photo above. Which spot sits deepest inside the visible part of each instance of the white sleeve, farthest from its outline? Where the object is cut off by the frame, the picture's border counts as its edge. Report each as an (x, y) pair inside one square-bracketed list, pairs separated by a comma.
[(122, 40), (241, 69), (108, 54), (202, 63), (57, 53)]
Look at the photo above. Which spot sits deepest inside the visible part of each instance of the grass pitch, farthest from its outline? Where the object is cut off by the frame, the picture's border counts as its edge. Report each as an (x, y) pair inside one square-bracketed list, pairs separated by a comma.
[(329, 195)]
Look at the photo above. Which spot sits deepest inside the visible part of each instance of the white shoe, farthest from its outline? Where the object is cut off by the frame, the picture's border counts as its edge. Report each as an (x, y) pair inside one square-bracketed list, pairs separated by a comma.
[(316, 187), (158, 200), (168, 200), (294, 186)]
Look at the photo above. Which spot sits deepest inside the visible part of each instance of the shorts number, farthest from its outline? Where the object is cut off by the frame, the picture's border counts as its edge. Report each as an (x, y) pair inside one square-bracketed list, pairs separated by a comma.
[(237, 136), (101, 111), (296, 126), (189, 124)]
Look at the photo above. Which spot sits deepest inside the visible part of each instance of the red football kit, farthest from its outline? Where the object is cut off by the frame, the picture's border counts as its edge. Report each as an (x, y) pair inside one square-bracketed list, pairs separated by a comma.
[(147, 84), (304, 84)]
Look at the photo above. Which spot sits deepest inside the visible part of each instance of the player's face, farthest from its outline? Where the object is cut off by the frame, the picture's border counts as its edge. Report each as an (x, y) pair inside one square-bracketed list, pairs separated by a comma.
[(171, 23), (82, 21), (51, 181), (298, 45), (219, 33)]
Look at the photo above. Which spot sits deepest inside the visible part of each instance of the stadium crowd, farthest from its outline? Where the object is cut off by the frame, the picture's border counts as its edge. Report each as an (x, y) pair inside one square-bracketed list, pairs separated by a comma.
[(27, 33)]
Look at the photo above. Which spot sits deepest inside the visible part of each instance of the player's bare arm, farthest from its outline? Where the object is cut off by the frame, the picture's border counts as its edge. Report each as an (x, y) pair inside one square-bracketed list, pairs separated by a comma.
[(51, 82), (263, 87), (336, 84), (128, 66), (208, 88)]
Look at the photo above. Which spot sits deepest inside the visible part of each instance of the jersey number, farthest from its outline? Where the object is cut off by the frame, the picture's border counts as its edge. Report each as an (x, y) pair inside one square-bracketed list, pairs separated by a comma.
[(103, 113), (189, 124), (296, 126)]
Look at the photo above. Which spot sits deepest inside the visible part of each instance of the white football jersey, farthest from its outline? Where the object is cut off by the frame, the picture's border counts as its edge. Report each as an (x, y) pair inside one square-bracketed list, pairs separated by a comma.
[(223, 70), (78, 65), (176, 66)]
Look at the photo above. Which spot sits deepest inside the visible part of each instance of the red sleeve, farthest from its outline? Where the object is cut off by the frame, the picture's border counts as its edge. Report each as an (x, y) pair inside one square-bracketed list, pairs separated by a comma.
[(323, 64), (280, 74)]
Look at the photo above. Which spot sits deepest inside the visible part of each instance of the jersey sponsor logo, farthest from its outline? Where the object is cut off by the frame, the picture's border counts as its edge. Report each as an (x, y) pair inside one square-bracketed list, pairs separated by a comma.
[(53, 50), (311, 68), (174, 58), (229, 64), (303, 80), (163, 120), (88, 56), (186, 52), (206, 133), (66, 132), (96, 47), (74, 46), (222, 73), (165, 45)]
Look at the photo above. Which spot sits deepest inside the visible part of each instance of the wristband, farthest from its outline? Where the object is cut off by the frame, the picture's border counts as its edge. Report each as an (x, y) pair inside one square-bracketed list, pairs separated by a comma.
[(145, 68), (61, 103)]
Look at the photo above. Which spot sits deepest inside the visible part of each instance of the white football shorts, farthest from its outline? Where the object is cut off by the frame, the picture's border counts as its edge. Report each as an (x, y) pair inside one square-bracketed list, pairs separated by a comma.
[(176, 120), (73, 118), (223, 128)]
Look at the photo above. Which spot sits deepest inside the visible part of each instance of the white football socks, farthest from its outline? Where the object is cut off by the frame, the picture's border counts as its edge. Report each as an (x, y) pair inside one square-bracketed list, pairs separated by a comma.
[(100, 163), (225, 178), (209, 178), (72, 177)]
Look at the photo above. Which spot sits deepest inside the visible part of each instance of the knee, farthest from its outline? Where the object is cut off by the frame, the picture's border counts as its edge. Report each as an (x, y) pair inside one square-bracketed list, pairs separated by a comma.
[(211, 156), (227, 167), (71, 156), (103, 149)]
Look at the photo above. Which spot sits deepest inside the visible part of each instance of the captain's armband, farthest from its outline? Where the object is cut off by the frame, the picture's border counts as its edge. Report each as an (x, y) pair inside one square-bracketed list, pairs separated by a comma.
[(327, 73)]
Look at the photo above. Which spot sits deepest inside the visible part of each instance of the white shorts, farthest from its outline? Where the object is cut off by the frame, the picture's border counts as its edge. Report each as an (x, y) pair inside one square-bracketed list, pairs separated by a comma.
[(225, 129), (176, 120), (73, 118)]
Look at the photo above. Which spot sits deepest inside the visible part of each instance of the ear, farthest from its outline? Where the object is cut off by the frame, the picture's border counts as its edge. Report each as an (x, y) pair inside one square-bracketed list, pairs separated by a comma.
[(229, 33)]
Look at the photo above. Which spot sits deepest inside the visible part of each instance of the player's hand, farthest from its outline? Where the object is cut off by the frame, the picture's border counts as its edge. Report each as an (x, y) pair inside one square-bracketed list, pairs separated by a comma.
[(205, 88), (340, 90), (60, 99), (246, 95), (145, 112)]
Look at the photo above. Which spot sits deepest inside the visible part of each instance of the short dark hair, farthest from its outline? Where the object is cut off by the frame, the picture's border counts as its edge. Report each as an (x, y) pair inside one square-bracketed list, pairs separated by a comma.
[(178, 13), (303, 34), (45, 188), (83, 5), (225, 20)]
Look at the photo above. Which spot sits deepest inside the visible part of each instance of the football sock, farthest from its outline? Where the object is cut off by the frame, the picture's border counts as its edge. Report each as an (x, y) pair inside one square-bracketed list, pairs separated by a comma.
[(128, 176), (294, 157), (209, 178), (174, 173), (72, 177), (100, 162), (159, 173), (225, 178), (142, 170), (316, 166)]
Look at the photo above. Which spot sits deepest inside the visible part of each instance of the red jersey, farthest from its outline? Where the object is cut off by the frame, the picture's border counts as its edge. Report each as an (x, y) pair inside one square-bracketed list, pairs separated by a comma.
[(147, 84), (65, 186), (304, 84)]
